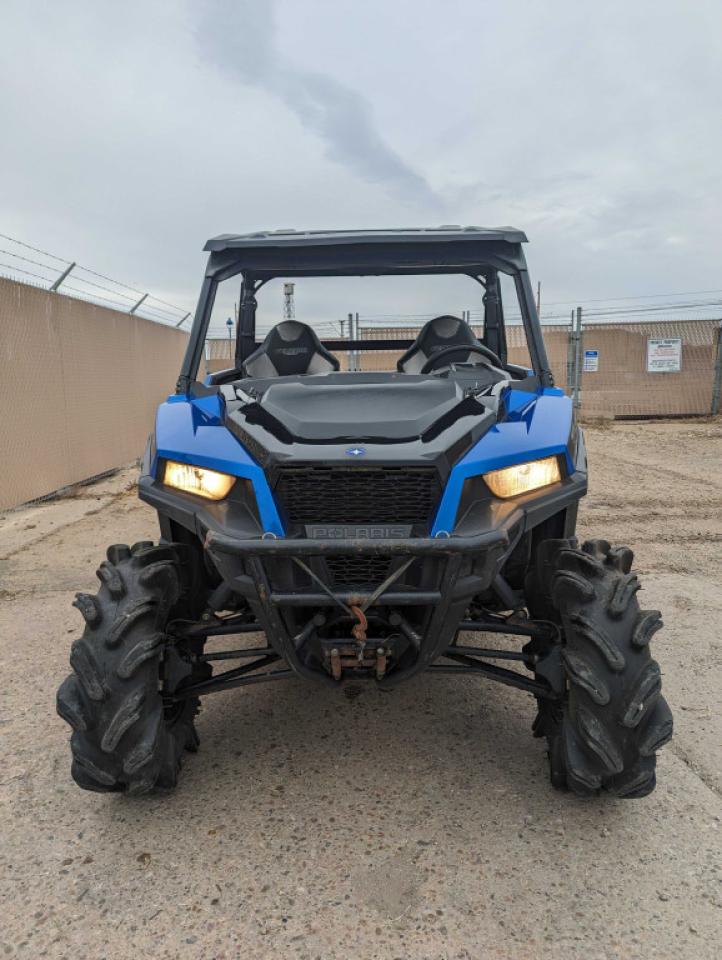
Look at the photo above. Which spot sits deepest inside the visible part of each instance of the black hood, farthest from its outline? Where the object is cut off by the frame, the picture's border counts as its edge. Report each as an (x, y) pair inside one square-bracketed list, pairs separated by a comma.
[(314, 410), (397, 418)]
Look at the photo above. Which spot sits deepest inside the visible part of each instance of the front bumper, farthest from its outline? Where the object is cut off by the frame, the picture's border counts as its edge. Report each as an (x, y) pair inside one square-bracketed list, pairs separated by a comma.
[(218, 543), (263, 571), (448, 571)]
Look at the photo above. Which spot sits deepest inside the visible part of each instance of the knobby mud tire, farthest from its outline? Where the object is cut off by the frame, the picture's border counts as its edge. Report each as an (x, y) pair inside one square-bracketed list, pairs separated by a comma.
[(606, 734), (123, 738)]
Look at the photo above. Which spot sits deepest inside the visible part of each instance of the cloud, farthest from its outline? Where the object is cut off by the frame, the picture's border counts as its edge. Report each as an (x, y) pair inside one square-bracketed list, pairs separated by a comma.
[(134, 131), (239, 38)]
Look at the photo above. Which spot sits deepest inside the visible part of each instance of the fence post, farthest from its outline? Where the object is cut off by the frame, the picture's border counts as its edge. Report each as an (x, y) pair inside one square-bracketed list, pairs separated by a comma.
[(578, 363), (570, 356), (136, 305), (62, 277), (717, 383), (574, 359)]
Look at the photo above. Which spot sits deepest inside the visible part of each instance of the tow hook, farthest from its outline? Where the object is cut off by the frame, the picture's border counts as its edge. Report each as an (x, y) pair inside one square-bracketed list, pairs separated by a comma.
[(359, 630), (357, 656)]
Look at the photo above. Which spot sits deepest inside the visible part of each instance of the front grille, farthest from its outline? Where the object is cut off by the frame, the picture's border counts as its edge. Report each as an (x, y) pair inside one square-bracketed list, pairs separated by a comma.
[(358, 494), (357, 571)]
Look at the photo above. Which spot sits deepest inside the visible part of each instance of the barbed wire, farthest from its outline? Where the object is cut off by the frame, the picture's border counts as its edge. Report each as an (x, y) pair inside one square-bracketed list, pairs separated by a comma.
[(333, 329), (162, 311), (29, 246), (476, 315), (96, 297), (18, 256), (152, 308), (703, 310), (27, 273)]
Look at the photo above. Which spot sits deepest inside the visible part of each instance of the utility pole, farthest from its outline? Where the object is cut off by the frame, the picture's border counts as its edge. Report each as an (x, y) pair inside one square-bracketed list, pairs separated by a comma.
[(357, 352), (350, 336), (289, 307), (571, 354)]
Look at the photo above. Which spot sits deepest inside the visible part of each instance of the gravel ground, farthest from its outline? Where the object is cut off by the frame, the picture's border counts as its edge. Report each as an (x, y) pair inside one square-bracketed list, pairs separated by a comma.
[(414, 825)]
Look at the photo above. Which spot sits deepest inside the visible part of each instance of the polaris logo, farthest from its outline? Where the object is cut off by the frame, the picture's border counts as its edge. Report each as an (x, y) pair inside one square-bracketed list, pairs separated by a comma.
[(355, 452), (366, 531)]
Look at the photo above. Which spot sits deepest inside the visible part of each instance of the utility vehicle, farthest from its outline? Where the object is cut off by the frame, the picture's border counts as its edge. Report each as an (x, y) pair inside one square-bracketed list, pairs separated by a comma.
[(368, 526)]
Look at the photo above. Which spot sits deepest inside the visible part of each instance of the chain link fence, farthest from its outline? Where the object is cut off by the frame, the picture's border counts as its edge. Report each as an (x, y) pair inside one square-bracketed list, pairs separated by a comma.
[(669, 368), (29, 264), (641, 369), (648, 368)]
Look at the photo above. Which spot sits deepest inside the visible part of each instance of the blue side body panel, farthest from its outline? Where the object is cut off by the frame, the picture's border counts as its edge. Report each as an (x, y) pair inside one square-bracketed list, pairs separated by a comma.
[(192, 431), (534, 425)]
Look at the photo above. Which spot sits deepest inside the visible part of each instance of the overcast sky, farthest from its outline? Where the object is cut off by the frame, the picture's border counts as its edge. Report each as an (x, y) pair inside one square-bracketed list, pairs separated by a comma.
[(133, 131)]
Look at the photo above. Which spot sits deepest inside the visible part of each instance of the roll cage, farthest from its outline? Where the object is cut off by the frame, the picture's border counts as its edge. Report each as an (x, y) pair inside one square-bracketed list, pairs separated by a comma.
[(477, 252)]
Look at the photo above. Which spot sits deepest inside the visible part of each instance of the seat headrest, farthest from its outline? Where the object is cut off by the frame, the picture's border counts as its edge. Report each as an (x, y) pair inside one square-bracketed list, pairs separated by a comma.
[(291, 347), (448, 330), (437, 334)]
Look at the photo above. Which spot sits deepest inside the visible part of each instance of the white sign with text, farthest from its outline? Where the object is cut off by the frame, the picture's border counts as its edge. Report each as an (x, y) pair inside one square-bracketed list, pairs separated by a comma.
[(664, 354)]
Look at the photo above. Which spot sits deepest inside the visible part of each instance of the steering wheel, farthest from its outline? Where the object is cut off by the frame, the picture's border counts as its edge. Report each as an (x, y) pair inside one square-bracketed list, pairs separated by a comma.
[(463, 348)]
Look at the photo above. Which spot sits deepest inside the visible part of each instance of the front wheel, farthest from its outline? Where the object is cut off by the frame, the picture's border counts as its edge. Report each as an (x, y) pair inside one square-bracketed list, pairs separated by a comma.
[(605, 734), (124, 738)]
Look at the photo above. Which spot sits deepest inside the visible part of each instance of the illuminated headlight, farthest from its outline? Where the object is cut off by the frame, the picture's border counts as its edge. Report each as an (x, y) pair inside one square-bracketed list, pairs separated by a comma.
[(204, 483), (512, 481)]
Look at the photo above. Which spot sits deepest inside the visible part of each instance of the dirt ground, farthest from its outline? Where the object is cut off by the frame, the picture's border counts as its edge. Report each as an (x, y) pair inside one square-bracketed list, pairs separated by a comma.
[(414, 825)]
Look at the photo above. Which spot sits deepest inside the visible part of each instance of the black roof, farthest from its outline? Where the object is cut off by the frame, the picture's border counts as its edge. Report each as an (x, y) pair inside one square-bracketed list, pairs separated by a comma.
[(317, 253), (266, 239)]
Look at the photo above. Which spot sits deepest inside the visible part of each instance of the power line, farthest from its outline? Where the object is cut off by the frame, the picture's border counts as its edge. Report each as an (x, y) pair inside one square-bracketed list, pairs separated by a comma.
[(666, 308), (477, 315), (511, 314), (641, 296)]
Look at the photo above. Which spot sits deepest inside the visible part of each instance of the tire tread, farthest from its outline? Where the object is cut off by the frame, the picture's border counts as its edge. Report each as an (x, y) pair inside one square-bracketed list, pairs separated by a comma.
[(122, 738), (615, 717)]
